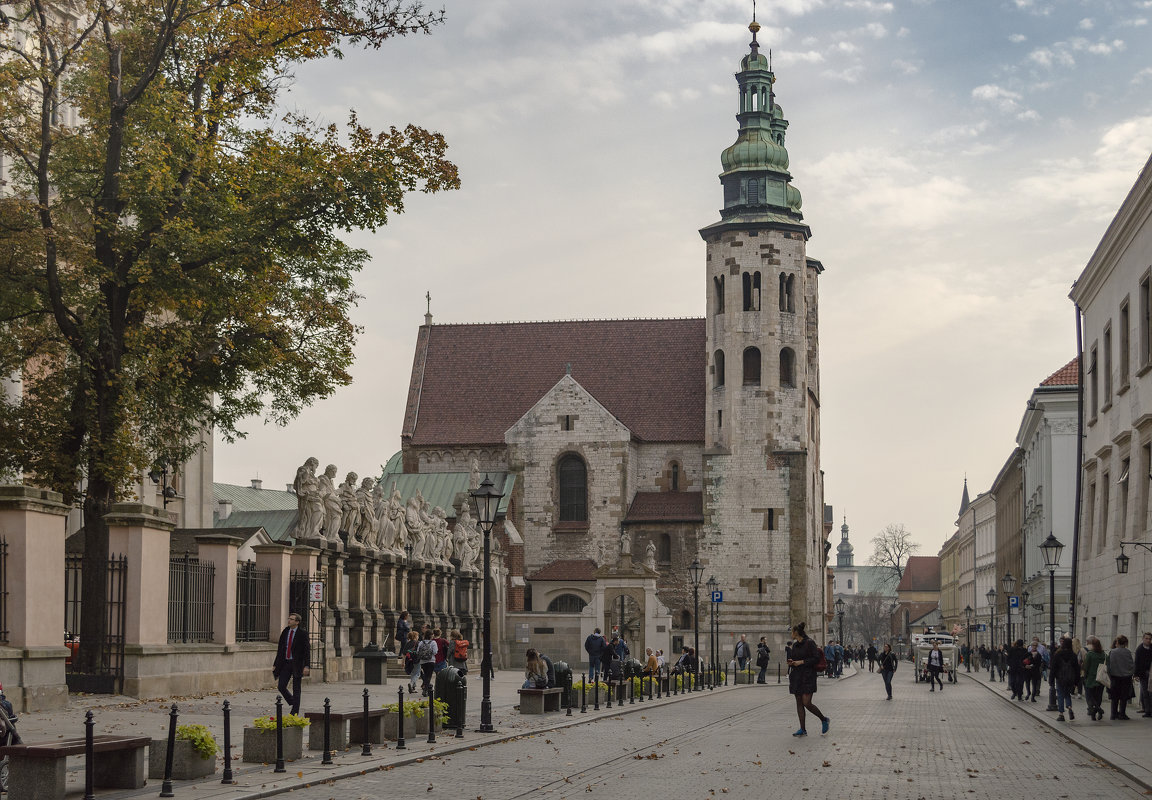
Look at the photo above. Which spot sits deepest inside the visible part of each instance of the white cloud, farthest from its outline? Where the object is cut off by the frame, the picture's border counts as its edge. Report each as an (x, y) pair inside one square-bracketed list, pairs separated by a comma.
[(666, 99), (903, 33), (845, 47), (1138, 22), (1060, 53), (1086, 24), (1001, 98), (870, 5), (1046, 57), (1017, 38), (957, 133), (875, 30), (1143, 75), (848, 74), (907, 67), (1093, 185), (1029, 115)]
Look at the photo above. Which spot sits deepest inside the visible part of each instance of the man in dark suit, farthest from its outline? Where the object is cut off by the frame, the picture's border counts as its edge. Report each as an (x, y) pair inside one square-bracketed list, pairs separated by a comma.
[(292, 656)]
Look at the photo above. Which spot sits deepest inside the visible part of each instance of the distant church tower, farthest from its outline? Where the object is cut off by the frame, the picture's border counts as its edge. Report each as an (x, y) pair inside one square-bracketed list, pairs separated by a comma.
[(763, 535), (844, 549)]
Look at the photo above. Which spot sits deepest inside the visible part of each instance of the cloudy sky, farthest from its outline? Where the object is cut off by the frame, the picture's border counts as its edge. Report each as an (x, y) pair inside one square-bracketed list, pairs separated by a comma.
[(959, 161)]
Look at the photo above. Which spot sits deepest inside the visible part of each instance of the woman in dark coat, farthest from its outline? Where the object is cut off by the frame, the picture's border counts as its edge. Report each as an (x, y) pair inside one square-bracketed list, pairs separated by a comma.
[(1065, 674), (803, 659)]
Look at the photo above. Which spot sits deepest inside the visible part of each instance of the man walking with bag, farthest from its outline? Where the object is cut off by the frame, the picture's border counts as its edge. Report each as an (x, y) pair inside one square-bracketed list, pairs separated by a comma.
[(291, 664)]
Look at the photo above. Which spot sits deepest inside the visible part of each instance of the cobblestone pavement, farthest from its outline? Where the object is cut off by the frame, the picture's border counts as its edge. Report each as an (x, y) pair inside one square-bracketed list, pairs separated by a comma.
[(962, 742)]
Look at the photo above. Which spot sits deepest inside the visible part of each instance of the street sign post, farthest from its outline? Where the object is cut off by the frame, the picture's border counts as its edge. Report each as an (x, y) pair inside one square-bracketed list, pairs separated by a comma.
[(718, 596)]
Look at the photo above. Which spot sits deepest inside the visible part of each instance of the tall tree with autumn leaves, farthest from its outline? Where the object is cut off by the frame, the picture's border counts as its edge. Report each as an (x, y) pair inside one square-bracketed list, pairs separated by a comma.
[(170, 240)]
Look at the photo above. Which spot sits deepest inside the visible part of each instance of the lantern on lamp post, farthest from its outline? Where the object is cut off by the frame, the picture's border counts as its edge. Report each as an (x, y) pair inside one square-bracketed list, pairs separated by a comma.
[(487, 503), (1051, 548)]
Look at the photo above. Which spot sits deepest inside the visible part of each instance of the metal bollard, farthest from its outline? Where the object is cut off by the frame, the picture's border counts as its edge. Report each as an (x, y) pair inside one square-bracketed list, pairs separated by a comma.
[(431, 711), (659, 684), (327, 732), (89, 756), (227, 777), (461, 699), (366, 749), (651, 681), (596, 695), (777, 673), (642, 687), (568, 696), (166, 786), (583, 693), (631, 692), (279, 735), (400, 719), (611, 691)]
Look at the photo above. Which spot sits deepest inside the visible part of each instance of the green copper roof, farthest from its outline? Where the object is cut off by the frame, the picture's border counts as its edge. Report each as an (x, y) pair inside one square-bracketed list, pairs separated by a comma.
[(755, 177)]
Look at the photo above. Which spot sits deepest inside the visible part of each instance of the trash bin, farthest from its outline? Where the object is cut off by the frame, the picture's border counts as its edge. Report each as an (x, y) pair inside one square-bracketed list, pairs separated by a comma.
[(375, 663), (451, 687), (564, 681)]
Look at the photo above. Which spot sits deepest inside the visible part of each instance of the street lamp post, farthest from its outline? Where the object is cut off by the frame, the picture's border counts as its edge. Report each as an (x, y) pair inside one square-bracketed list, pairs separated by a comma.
[(1051, 548), (487, 502), (1009, 585), (840, 616), (713, 628), (695, 572), (968, 630), (991, 597)]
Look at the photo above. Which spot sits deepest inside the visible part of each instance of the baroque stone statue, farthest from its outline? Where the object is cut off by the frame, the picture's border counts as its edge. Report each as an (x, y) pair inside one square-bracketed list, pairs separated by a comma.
[(330, 498), (350, 505), (308, 502)]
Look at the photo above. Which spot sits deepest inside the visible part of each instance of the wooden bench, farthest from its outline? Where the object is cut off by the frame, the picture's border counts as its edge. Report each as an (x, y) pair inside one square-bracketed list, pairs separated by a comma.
[(540, 701), (37, 771)]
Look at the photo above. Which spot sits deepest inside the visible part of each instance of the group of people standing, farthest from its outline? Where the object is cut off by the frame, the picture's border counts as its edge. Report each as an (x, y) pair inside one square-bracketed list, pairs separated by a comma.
[(426, 652)]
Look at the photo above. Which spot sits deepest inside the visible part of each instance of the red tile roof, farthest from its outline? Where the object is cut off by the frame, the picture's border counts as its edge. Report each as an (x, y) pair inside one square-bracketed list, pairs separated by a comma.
[(666, 507), (576, 569), (921, 574), (470, 383), (1067, 375)]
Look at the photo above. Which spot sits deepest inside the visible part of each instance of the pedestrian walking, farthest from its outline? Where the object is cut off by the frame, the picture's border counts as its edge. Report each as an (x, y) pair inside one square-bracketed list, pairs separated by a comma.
[(935, 666), (1065, 673), (441, 651), (763, 654), (888, 663), (1038, 657), (292, 657), (426, 656), (1143, 664), (457, 651), (802, 678), (1079, 652), (1121, 665), (409, 660), (594, 646), (871, 653), (1016, 669), (742, 653), (1094, 659)]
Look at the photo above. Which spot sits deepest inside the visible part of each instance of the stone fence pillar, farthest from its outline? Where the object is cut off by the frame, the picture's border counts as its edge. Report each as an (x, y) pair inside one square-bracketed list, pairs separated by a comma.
[(32, 523), (142, 533), (222, 550), (277, 559)]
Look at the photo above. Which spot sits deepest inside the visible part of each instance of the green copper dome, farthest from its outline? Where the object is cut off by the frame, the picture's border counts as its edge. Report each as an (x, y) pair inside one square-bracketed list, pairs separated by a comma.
[(754, 149)]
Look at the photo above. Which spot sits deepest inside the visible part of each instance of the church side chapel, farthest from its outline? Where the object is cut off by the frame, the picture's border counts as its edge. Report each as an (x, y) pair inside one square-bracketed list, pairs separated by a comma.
[(631, 448)]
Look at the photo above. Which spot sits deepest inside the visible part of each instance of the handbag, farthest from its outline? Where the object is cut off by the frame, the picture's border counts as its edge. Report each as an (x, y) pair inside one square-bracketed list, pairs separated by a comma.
[(1102, 676)]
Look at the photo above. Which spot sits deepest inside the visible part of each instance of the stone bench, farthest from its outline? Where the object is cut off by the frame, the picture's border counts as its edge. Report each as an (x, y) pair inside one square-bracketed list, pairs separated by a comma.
[(37, 771), (540, 701)]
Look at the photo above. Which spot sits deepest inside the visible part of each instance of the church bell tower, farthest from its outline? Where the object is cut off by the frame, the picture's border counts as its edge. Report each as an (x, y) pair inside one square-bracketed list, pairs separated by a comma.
[(763, 535)]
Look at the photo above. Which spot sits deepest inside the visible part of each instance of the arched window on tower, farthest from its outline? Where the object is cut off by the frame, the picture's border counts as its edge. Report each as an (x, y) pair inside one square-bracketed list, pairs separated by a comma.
[(791, 285), (751, 285), (753, 191), (788, 368), (718, 368), (718, 291), (674, 476), (751, 366), (572, 483)]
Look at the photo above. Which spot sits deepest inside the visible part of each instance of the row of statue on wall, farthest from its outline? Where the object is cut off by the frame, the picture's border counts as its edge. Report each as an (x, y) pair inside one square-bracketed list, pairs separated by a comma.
[(365, 515)]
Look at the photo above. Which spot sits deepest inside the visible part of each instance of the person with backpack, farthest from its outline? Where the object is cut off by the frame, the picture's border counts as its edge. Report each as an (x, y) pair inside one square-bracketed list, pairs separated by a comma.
[(806, 661), (763, 653), (595, 646), (426, 657), (888, 664), (1065, 673), (458, 651), (535, 672), (408, 659)]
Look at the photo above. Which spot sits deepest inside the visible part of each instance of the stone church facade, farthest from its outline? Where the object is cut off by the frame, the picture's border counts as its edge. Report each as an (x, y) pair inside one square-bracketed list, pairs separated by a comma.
[(670, 440)]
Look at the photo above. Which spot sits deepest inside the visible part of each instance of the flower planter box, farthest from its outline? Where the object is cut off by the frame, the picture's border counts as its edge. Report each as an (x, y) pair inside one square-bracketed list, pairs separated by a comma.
[(187, 764), (745, 677), (260, 746), (412, 726)]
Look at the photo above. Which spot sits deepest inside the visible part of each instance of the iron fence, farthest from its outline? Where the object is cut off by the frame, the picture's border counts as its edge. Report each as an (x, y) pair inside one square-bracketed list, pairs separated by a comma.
[(190, 600), (3, 590), (109, 674), (302, 601), (253, 588)]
